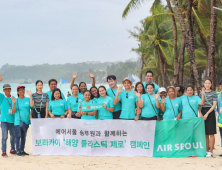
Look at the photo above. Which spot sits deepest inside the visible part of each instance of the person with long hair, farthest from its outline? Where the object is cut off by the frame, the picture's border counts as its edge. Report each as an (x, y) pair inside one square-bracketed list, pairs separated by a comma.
[(89, 115), (94, 93), (190, 103), (111, 91), (73, 102), (149, 103), (171, 106), (39, 101), (22, 113), (57, 106), (128, 100), (139, 88), (208, 113), (107, 111)]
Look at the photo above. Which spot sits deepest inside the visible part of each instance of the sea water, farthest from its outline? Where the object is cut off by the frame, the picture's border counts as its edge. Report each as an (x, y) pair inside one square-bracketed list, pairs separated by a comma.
[(65, 88)]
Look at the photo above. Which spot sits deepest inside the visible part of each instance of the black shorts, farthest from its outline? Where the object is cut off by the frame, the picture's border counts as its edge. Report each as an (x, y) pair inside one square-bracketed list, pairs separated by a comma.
[(35, 114), (74, 115), (151, 118), (116, 114), (210, 123)]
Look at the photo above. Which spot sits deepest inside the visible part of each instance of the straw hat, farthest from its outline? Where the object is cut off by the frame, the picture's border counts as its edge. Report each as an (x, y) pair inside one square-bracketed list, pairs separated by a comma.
[(127, 79)]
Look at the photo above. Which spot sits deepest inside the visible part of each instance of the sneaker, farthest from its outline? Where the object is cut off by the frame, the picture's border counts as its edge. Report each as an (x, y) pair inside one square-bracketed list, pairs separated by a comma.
[(19, 154), (220, 155), (209, 155), (24, 153), (4, 154), (13, 152)]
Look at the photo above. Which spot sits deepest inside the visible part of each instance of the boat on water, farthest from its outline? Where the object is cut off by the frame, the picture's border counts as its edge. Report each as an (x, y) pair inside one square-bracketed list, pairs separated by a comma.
[(63, 81)]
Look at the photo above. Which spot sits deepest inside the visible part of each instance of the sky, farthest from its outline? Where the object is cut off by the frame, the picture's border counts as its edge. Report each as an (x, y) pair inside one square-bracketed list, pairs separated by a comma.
[(67, 31)]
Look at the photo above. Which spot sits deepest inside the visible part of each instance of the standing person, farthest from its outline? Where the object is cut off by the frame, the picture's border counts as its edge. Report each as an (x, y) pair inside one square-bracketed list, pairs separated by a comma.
[(57, 106), (139, 88), (107, 111), (171, 106), (180, 90), (73, 102), (88, 115), (163, 94), (82, 85), (39, 101), (52, 86), (7, 102), (149, 103), (111, 92), (149, 79), (128, 100), (219, 108), (208, 113), (94, 93), (22, 113), (190, 103)]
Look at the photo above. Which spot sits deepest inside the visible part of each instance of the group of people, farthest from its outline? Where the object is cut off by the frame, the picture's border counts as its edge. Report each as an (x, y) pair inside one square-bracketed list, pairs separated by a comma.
[(147, 101)]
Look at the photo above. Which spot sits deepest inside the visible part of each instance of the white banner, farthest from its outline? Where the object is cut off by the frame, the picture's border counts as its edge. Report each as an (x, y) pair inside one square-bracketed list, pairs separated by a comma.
[(93, 137)]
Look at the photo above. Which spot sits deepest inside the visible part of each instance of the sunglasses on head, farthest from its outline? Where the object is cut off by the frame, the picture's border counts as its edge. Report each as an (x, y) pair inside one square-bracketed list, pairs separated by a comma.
[(170, 87)]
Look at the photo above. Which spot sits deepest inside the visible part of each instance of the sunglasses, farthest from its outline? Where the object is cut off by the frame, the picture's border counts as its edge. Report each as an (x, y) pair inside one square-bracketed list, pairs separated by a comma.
[(77, 100), (127, 95)]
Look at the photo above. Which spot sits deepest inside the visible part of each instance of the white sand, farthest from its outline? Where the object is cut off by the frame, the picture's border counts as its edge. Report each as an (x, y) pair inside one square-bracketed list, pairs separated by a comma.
[(81, 162)]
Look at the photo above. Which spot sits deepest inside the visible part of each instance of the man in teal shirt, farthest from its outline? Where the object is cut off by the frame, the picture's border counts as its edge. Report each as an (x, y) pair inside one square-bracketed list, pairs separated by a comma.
[(7, 103), (149, 79), (52, 86), (111, 92)]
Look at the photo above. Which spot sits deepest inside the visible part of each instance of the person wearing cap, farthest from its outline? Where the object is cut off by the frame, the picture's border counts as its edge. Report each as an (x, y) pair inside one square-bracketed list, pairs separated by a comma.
[(52, 86), (128, 100), (163, 94), (111, 92), (7, 103), (149, 79), (219, 108), (180, 90), (22, 113), (191, 103), (149, 103)]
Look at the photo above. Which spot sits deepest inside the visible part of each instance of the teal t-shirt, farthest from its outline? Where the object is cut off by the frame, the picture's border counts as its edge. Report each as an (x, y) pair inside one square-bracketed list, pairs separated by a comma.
[(147, 109), (58, 107), (22, 107), (94, 100), (5, 117), (128, 100), (110, 92), (50, 95), (187, 111), (156, 87), (169, 111), (87, 117), (104, 113), (73, 102), (219, 103)]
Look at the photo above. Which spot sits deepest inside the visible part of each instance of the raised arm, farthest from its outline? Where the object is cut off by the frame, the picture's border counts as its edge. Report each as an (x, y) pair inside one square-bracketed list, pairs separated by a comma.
[(14, 103), (74, 76), (202, 92), (140, 102), (163, 100), (116, 99), (93, 79), (31, 99), (111, 109), (157, 101)]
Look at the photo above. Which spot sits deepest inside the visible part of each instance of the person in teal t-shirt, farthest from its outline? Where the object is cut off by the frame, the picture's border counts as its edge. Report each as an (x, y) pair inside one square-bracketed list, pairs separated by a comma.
[(94, 93), (171, 106), (128, 100), (111, 92), (57, 106), (73, 101), (87, 115), (22, 113), (219, 108), (52, 86), (149, 79), (149, 103), (191, 103), (107, 111), (7, 102)]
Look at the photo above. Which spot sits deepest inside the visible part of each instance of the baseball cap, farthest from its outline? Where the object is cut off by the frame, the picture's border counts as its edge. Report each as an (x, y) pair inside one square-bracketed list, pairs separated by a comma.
[(20, 87), (6, 86), (162, 89)]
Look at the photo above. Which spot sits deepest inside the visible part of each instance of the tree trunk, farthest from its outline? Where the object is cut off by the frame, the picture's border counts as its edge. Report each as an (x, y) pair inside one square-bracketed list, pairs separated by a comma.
[(181, 58), (176, 64), (189, 42), (211, 53), (192, 79), (163, 75), (141, 68)]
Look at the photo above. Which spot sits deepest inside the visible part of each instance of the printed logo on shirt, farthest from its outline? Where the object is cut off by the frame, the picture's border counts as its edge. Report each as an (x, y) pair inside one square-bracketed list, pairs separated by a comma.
[(27, 103), (193, 101), (62, 104), (176, 105), (131, 97)]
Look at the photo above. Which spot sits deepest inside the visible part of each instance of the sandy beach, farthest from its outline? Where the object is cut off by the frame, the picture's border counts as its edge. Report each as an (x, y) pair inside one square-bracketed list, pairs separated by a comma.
[(82, 162)]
